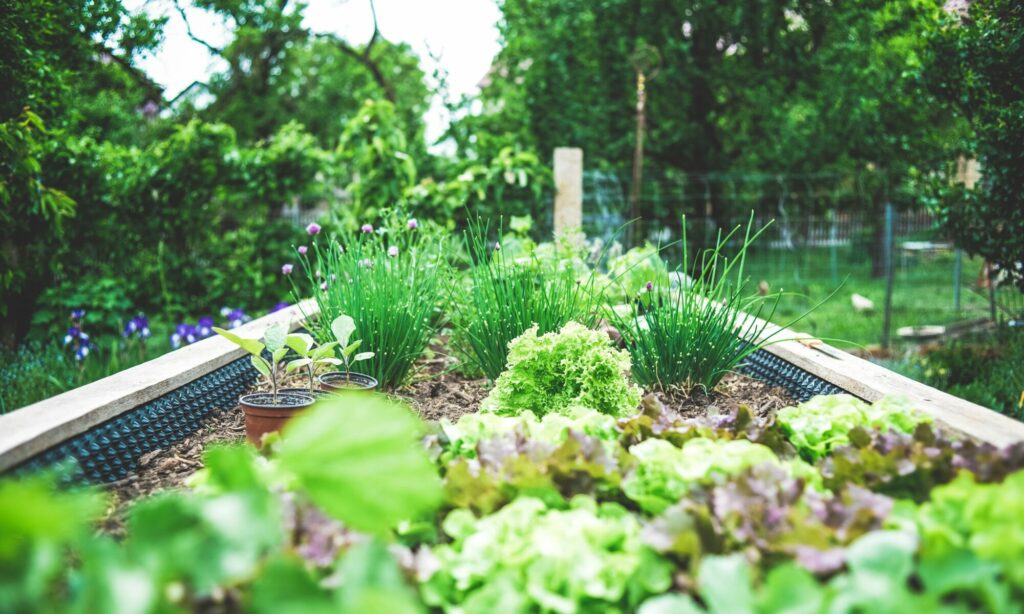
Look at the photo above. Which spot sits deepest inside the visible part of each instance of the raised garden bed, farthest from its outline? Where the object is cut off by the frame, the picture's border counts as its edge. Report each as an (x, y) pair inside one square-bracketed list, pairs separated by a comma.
[(563, 486)]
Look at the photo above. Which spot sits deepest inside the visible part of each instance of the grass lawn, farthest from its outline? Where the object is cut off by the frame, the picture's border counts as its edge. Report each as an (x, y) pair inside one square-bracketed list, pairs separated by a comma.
[(922, 291)]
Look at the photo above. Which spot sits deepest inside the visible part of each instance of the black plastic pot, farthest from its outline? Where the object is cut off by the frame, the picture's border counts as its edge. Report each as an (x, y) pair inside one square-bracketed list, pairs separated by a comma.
[(263, 415), (336, 381)]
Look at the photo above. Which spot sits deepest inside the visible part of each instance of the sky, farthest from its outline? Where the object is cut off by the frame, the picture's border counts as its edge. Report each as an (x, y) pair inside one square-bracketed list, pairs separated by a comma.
[(462, 33)]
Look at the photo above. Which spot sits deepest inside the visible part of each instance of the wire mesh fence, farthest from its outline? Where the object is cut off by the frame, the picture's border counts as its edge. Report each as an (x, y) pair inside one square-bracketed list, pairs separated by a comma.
[(827, 235)]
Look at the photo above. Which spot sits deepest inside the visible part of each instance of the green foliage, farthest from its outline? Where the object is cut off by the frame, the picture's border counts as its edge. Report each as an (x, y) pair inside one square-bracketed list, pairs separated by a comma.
[(503, 296), (965, 518), (506, 561), (636, 268), (553, 428), (973, 64), (382, 168), (695, 334), (33, 372), (274, 339), (817, 426), (985, 369), (772, 86), (32, 218), (512, 182), (665, 473), (186, 549), (391, 299), (573, 367), (372, 475)]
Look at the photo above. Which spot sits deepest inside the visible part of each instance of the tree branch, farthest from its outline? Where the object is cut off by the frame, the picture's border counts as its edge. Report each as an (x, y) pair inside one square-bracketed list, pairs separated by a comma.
[(153, 90), (188, 30)]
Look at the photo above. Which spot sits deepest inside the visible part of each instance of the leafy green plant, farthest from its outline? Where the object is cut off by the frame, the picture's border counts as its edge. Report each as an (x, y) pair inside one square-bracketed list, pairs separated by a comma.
[(389, 283), (573, 367), (357, 458), (311, 355), (695, 334), (664, 473), (343, 326), (824, 422), (636, 268), (501, 298), (505, 562), (274, 339)]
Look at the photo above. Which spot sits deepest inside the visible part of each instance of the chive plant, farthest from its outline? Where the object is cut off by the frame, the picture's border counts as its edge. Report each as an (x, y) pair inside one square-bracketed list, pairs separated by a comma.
[(389, 283), (693, 335), (502, 298)]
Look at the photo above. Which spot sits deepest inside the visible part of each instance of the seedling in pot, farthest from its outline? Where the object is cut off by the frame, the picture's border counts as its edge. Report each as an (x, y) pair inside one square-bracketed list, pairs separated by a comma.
[(273, 341), (311, 355), (343, 326)]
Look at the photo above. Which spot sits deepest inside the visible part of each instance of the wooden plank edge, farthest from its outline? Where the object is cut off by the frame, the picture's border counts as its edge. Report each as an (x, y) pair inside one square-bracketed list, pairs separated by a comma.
[(870, 381), (35, 428)]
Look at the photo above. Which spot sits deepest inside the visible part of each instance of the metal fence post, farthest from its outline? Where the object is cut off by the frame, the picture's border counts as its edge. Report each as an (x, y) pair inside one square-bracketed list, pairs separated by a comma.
[(888, 249)]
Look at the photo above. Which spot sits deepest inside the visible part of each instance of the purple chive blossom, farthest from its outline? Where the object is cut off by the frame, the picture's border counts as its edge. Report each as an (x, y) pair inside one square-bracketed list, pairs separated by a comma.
[(313, 229), (649, 286), (393, 251), (413, 224), (497, 246), (367, 228), (302, 250), (286, 269)]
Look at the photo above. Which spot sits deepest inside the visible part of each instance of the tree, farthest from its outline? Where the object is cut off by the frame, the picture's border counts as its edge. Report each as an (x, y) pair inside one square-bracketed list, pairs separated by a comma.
[(280, 71), (977, 64)]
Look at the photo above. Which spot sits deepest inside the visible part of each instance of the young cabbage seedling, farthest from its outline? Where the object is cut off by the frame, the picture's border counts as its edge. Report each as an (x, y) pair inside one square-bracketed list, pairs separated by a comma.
[(343, 326), (273, 342), (311, 356)]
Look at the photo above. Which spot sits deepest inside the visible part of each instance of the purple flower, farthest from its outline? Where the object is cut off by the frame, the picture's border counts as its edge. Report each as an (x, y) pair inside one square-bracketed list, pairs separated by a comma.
[(236, 318), (279, 307), (302, 250), (72, 335), (649, 286), (77, 314), (82, 352), (137, 326), (286, 269), (313, 229), (497, 246), (204, 327), (413, 224), (183, 334), (393, 251), (367, 228)]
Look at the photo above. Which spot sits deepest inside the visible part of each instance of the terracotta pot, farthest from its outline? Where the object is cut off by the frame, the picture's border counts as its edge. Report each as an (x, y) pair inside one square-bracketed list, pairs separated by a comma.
[(263, 416), (336, 380)]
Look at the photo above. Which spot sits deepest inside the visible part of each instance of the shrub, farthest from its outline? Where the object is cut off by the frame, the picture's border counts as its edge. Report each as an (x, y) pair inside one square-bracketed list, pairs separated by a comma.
[(574, 367), (504, 297), (389, 283)]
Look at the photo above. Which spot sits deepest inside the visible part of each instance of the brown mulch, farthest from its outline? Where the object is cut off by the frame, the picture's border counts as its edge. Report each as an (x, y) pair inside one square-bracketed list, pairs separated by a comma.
[(169, 467), (436, 392), (734, 390)]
